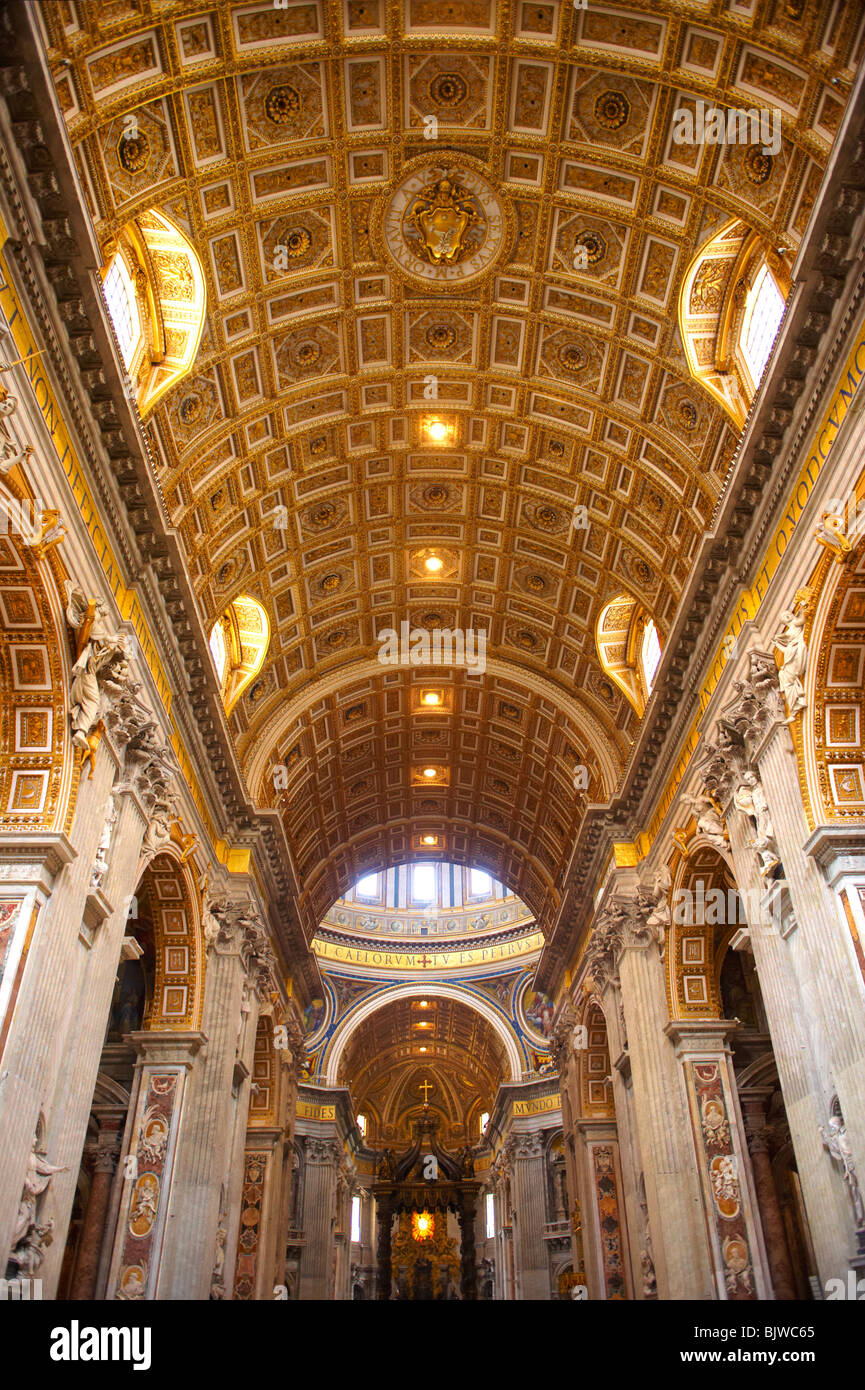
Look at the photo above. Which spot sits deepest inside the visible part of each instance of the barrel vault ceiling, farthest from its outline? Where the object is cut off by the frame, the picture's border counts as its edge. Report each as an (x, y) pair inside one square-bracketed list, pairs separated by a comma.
[(416, 1039), (261, 127)]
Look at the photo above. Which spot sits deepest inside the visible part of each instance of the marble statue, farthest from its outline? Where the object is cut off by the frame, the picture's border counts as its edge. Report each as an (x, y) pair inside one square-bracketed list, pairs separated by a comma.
[(28, 1236), (750, 798), (100, 863), (790, 640), (659, 917), (217, 1281), (709, 820), (838, 1144), (101, 657)]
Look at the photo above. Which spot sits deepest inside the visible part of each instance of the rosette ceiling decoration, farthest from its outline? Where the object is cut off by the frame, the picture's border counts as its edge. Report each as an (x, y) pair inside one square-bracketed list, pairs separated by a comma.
[(462, 214)]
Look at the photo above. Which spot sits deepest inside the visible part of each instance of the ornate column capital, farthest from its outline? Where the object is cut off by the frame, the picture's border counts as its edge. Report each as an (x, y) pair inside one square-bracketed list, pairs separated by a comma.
[(563, 1031), (103, 1155), (525, 1146), (637, 922), (323, 1151), (235, 928)]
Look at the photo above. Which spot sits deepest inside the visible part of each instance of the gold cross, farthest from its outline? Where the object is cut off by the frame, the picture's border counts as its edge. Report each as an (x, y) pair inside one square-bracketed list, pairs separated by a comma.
[(426, 1087)]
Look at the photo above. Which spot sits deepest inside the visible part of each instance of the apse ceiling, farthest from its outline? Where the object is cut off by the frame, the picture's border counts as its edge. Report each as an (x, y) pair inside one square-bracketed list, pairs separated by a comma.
[(423, 1039), (301, 149)]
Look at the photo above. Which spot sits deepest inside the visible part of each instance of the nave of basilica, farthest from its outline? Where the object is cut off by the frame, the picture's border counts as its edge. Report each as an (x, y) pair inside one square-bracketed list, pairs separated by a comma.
[(432, 650)]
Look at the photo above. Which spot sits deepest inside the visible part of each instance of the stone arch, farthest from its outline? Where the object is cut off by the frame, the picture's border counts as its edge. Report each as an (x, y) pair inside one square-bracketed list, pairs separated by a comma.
[(593, 1063), (832, 746), (38, 773), (166, 897), (265, 1075), (336, 1044), (706, 913)]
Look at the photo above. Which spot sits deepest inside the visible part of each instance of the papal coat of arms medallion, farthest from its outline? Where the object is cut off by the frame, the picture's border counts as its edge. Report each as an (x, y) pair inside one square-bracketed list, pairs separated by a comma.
[(444, 224)]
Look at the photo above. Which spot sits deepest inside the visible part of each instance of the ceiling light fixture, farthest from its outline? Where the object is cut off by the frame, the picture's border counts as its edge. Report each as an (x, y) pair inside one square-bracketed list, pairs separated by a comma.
[(431, 697), (429, 840), (437, 431), (433, 563), (430, 772)]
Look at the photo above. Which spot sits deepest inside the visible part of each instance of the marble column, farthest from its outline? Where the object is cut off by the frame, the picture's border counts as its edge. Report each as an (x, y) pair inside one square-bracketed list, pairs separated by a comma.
[(237, 1117), (288, 1071), (468, 1253), (821, 948), (102, 929), (787, 988), (753, 1101), (605, 1235), (384, 1222), (159, 1103), (673, 1197), (44, 1021), (319, 1210), (528, 1188), (252, 1275), (103, 1163), (632, 1209), (206, 1138), (736, 1236), (342, 1264)]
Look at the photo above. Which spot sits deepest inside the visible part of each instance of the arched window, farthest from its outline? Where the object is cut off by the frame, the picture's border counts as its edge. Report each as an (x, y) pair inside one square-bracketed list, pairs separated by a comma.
[(423, 883), (238, 644), (629, 647), (490, 1212), (369, 887), (650, 655), (730, 309), (764, 310), (123, 308), (154, 288), (355, 1219), (218, 649), (480, 883)]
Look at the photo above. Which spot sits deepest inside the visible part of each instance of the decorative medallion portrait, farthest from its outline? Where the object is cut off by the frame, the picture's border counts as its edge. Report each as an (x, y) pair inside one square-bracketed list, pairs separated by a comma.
[(444, 224), (535, 1013)]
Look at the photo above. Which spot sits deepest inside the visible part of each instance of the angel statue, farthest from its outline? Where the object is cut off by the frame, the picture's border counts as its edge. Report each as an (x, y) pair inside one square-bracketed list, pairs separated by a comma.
[(839, 1147), (101, 656), (790, 640), (750, 798), (709, 820)]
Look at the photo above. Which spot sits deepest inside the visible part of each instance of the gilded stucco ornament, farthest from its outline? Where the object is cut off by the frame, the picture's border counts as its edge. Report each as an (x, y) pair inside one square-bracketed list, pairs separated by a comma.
[(444, 224)]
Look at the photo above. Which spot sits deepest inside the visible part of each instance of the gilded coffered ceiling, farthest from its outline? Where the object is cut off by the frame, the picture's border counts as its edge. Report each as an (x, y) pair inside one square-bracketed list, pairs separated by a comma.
[(325, 158)]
